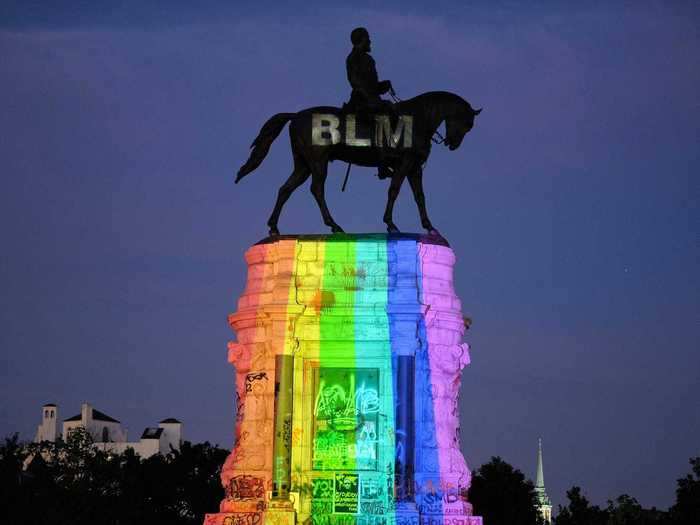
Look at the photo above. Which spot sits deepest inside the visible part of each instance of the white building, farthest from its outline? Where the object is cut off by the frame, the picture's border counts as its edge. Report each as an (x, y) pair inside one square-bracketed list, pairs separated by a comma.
[(108, 433), (48, 429)]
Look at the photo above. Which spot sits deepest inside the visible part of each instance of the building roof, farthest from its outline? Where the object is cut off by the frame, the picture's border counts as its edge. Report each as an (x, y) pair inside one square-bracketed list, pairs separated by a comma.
[(96, 415), (151, 433), (540, 470), (101, 416), (50, 405), (171, 420)]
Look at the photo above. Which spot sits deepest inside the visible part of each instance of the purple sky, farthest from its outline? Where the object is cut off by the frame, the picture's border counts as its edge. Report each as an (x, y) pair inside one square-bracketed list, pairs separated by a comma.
[(572, 207)]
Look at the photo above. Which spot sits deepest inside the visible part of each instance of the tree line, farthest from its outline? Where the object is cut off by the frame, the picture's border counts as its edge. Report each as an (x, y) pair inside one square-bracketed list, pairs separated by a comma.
[(74, 483), (503, 496), (71, 482)]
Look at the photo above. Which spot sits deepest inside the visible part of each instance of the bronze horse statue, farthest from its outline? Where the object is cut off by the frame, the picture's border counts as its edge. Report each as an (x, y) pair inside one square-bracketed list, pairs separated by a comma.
[(322, 134)]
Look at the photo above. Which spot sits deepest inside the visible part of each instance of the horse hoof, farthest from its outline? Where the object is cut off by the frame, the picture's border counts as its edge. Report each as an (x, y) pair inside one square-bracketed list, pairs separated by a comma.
[(391, 228), (274, 232), (432, 232), (337, 229)]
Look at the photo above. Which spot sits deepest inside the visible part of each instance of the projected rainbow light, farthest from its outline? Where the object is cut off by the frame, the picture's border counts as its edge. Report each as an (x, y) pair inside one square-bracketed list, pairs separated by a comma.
[(348, 365)]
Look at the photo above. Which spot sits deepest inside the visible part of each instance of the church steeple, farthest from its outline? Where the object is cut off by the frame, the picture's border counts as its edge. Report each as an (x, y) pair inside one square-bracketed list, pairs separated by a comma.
[(540, 473), (544, 505)]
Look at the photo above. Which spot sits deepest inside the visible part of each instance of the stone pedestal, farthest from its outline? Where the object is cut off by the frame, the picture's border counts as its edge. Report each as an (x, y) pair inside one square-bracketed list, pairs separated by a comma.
[(348, 362)]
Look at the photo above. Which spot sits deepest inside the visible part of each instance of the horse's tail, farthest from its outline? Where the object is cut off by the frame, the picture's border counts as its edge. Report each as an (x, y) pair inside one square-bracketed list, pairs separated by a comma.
[(261, 145)]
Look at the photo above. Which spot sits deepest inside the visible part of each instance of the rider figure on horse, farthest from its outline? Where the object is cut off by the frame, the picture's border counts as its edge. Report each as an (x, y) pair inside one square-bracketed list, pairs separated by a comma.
[(366, 87)]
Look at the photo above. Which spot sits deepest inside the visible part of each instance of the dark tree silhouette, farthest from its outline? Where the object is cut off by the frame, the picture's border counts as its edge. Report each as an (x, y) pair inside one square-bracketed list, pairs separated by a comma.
[(502, 495), (75, 483), (686, 510), (11, 458), (625, 510), (579, 511)]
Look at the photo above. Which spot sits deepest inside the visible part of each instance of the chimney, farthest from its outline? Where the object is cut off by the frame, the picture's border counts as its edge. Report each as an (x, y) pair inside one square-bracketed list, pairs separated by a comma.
[(85, 414)]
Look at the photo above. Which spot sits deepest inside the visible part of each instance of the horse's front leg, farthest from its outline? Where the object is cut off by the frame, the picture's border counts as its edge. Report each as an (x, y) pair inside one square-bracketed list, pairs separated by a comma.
[(394, 188), (415, 179), (319, 172), (296, 179)]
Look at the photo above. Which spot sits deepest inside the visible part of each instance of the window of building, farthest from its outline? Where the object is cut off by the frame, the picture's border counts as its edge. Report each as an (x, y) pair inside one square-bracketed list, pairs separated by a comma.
[(105, 434)]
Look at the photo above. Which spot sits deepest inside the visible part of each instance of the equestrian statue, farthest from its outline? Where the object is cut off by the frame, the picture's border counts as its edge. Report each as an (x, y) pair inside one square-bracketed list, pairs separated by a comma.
[(366, 131)]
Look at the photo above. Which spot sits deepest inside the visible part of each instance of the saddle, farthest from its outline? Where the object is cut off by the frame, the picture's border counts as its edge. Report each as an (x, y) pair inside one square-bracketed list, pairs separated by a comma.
[(364, 119)]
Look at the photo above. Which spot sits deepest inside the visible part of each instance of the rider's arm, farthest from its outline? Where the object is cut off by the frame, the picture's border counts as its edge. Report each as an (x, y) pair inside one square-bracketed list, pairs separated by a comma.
[(380, 87)]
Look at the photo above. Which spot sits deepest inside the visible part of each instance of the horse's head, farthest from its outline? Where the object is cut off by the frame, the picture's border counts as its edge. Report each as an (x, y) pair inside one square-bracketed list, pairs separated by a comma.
[(459, 124)]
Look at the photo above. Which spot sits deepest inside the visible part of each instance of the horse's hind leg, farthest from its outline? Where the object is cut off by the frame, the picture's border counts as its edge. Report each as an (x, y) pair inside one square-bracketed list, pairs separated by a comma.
[(415, 178), (297, 178), (394, 188), (319, 171)]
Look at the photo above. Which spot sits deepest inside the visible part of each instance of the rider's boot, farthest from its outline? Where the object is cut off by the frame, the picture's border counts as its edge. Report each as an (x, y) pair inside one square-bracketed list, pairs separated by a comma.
[(388, 162), (385, 172)]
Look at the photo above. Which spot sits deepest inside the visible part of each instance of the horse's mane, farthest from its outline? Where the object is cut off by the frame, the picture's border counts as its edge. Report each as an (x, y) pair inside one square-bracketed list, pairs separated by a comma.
[(443, 99)]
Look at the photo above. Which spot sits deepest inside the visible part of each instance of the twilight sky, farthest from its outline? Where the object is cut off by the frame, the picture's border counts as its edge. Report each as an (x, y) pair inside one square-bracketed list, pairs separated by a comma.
[(572, 207)]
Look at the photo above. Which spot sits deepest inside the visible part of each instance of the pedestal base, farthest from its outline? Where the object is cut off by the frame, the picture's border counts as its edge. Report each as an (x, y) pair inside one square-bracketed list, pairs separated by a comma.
[(451, 520), (348, 363), (266, 517), (277, 517)]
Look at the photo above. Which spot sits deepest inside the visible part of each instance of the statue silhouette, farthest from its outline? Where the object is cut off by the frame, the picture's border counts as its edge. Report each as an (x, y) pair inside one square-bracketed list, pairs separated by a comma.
[(318, 136), (366, 131)]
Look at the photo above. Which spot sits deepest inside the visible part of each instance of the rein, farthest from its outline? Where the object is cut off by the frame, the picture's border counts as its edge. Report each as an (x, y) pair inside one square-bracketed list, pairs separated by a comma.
[(396, 99)]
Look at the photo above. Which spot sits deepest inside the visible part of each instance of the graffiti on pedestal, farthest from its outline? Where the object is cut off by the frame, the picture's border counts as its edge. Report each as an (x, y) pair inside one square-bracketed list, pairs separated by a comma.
[(322, 490), (439, 497), (245, 487), (375, 508), (240, 405), (370, 488), (252, 422), (371, 496), (345, 414), (346, 493), (407, 519), (335, 498), (346, 519), (244, 518), (455, 520), (252, 379)]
